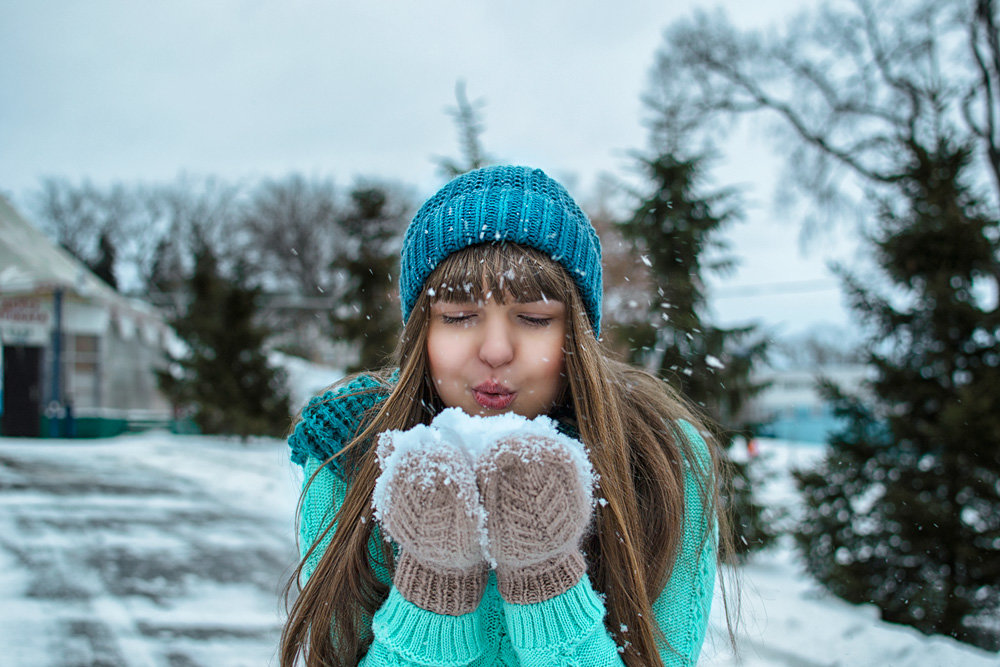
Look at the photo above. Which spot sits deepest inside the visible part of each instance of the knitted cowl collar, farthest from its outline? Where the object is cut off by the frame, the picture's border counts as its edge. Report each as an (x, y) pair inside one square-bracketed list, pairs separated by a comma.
[(331, 419)]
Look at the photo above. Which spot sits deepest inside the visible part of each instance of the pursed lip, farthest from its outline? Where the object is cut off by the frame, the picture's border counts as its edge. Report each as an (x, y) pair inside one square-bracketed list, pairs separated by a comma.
[(493, 395), (492, 387)]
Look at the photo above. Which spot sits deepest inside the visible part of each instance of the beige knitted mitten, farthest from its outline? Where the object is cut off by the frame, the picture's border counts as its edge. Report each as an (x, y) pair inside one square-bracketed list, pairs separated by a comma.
[(430, 506), (538, 505)]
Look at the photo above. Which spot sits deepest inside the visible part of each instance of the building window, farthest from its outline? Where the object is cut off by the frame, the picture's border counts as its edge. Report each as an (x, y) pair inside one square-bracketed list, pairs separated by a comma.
[(83, 371)]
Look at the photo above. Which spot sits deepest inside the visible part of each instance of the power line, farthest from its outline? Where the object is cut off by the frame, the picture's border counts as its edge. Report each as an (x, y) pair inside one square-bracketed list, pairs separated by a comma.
[(786, 287)]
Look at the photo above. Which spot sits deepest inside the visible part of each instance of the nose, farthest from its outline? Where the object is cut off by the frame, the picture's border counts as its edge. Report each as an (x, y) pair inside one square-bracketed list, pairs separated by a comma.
[(497, 345)]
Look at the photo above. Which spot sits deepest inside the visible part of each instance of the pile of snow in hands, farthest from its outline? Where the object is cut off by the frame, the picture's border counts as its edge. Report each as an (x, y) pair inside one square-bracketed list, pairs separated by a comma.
[(474, 437)]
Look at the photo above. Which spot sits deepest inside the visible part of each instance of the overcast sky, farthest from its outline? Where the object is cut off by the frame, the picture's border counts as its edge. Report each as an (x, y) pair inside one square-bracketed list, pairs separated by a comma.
[(112, 90)]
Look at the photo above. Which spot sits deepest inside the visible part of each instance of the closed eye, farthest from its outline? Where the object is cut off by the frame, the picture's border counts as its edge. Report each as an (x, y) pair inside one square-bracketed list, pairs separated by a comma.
[(536, 321), (456, 319)]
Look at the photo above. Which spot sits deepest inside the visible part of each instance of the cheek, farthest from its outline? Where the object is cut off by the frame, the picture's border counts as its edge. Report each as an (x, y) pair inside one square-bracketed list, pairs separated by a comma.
[(551, 361), (435, 354), (443, 355)]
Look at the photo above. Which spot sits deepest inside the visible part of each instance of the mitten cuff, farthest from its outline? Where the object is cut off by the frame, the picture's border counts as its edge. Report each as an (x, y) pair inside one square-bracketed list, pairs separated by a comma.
[(449, 591), (541, 581)]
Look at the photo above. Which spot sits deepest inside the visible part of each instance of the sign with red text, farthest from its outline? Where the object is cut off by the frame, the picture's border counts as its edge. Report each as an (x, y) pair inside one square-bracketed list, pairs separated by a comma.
[(25, 320)]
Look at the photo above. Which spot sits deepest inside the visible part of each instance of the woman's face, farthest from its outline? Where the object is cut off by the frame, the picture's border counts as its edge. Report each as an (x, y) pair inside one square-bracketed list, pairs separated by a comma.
[(488, 358)]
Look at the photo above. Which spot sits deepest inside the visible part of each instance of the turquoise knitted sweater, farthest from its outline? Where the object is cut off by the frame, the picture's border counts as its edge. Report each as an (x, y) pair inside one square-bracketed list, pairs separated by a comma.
[(565, 630)]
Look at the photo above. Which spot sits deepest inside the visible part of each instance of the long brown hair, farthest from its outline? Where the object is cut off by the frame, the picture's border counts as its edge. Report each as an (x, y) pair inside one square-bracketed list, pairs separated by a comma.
[(625, 416)]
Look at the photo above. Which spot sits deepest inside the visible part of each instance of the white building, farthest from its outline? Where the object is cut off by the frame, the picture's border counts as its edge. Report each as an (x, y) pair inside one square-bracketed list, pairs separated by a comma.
[(78, 358), (792, 408)]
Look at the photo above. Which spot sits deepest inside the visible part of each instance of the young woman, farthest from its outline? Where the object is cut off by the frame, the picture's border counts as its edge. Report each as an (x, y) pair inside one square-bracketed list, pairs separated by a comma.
[(501, 294)]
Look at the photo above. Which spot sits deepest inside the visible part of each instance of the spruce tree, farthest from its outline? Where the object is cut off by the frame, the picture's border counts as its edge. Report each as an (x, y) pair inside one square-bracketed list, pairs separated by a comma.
[(166, 272), (368, 315), (225, 378), (904, 511), (468, 119), (104, 266), (675, 231)]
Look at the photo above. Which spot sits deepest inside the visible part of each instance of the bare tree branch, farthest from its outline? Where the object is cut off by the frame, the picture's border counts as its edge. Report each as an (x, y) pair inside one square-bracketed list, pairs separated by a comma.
[(853, 83), (290, 229), (798, 122), (983, 35)]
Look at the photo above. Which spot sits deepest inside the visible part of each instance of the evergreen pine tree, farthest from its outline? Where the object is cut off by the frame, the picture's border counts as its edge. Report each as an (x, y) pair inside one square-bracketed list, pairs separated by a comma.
[(904, 511), (469, 124), (675, 230), (225, 377), (104, 266), (368, 314), (166, 273)]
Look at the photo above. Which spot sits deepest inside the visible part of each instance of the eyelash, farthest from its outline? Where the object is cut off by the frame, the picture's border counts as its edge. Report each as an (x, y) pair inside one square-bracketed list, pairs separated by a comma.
[(530, 321)]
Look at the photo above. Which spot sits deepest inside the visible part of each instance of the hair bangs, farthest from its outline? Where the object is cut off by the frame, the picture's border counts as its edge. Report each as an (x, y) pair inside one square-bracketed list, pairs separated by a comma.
[(498, 271)]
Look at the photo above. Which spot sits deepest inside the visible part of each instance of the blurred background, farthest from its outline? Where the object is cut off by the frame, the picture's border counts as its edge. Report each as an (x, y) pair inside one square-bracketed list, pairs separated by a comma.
[(201, 209)]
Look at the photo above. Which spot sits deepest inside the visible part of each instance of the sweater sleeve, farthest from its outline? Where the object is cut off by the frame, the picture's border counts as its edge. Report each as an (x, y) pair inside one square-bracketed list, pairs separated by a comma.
[(402, 633), (683, 606), (569, 628), (565, 630)]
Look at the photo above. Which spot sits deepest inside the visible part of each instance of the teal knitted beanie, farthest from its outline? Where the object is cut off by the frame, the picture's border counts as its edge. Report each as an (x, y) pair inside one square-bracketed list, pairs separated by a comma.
[(503, 203)]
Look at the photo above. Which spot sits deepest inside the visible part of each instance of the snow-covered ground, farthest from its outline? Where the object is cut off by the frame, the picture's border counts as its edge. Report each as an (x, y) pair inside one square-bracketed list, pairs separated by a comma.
[(788, 619), (150, 549), (166, 550)]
